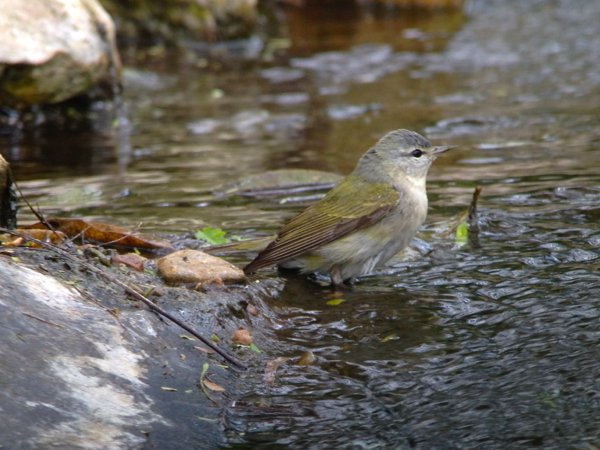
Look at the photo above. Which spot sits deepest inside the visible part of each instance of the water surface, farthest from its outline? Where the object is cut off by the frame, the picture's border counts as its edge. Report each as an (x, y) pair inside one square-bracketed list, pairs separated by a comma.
[(489, 346)]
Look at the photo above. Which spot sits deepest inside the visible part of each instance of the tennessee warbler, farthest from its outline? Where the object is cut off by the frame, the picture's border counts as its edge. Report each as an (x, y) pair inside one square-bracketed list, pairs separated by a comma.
[(365, 219)]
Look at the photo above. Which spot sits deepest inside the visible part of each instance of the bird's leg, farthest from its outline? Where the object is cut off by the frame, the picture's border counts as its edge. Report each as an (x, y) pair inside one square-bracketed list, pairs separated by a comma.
[(336, 278)]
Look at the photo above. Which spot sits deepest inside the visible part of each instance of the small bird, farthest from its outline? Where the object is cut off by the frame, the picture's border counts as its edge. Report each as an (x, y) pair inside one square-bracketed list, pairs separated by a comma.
[(365, 219)]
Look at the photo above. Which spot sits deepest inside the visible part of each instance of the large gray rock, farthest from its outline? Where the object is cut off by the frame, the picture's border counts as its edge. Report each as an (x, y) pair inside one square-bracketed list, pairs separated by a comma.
[(53, 50), (70, 379), (82, 366)]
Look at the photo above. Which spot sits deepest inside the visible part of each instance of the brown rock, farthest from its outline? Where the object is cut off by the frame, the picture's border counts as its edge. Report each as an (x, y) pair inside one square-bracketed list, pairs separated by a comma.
[(242, 337), (252, 310), (194, 266)]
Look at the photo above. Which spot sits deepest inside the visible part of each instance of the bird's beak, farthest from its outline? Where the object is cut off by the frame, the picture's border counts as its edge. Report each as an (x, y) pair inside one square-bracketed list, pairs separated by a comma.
[(442, 149)]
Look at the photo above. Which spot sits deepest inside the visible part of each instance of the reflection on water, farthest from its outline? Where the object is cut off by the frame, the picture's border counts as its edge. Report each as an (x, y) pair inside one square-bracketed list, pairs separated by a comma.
[(494, 347)]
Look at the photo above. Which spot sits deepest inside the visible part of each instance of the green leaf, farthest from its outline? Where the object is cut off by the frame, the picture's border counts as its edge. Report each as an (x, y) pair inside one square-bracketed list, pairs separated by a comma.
[(205, 367), (335, 302), (462, 233), (207, 419), (216, 94), (389, 337), (214, 236), (254, 348)]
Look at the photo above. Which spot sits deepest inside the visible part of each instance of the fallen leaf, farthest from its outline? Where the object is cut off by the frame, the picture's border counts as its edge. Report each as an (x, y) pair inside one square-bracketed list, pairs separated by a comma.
[(462, 233), (54, 237), (101, 233), (18, 242), (307, 359), (149, 291), (207, 419), (212, 386), (389, 337), (254, 348), (214, 236), (335, 302), (205, 350), (205, 367), (217, 93), (131, 260), (271, 368)]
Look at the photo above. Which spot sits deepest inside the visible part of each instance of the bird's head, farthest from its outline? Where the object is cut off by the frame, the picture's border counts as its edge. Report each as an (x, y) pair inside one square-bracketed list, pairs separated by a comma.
[(401, 151)]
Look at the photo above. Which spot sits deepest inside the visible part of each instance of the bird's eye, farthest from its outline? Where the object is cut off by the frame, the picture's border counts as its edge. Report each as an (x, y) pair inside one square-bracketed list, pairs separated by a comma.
[(416, 153)]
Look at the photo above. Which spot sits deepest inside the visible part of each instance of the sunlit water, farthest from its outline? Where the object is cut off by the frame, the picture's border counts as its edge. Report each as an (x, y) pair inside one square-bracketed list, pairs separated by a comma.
[(489, 346)]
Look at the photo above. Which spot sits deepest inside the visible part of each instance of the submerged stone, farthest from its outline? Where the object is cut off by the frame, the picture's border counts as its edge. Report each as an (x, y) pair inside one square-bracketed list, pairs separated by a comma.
[(281, 181)]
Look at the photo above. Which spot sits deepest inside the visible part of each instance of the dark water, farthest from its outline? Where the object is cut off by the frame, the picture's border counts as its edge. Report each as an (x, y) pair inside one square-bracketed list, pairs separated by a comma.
[(489, 346)]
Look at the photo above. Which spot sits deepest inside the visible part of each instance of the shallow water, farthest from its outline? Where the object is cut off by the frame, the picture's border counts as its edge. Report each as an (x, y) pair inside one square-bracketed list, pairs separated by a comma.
[(489, 346)]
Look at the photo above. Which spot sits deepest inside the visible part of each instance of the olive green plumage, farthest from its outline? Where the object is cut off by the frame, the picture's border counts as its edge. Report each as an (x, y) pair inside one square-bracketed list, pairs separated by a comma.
[(364, 220)]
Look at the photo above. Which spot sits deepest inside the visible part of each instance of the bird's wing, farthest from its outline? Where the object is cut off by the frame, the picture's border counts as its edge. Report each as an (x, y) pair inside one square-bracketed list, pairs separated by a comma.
[(351, 205)]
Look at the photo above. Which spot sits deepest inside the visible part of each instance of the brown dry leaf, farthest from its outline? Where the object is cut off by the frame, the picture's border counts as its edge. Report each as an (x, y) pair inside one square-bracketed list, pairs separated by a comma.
[(101, 233), (307, 359), (131, 260), (271, 369), (242, 337), (44, 235), (212, 386), (18, 242), (204, 350)]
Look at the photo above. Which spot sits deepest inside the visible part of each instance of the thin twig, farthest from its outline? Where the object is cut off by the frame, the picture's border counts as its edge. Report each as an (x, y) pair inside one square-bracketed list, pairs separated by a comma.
[(134, 293), (37, 214), (42, 320), (473, 219), (40, 217), (473, 205)]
